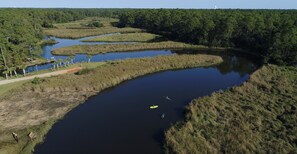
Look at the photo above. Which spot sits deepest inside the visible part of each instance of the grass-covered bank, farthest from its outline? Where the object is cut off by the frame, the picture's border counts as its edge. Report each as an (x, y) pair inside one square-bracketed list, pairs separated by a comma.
[(105, 48), (257, 117), (128, 37), (48, 42), (30, 106), (77, 29)]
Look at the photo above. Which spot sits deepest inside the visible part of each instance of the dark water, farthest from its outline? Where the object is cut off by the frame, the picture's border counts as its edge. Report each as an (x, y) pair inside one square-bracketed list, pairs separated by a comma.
[(47, 54), (119, 120)]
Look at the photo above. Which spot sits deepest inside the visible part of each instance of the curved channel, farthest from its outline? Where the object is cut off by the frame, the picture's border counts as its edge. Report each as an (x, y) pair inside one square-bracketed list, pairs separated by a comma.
[(47, 52), (119, 119)]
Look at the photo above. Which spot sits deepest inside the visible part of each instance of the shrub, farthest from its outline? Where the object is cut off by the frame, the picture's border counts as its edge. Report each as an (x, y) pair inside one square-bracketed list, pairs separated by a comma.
[(37, 80), (84, 71), (95, 24), (46, 24)]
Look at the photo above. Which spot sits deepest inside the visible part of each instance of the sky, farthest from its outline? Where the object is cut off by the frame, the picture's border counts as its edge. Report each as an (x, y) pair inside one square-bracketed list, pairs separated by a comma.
[(196, 4)]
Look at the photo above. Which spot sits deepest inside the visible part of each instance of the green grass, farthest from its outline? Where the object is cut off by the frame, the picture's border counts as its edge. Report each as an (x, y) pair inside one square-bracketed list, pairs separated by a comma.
[(104, 48), (77, 29), (43, 104), (129, 37), (8, 87), (259, 116)]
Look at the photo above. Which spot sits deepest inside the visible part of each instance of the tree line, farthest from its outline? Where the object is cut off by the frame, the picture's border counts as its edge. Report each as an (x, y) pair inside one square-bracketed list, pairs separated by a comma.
[(271, 34), (21, 30)]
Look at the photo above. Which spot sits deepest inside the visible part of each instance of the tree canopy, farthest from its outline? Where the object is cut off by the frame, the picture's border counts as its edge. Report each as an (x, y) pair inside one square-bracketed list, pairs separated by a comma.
[(269, 33), (21, 29)]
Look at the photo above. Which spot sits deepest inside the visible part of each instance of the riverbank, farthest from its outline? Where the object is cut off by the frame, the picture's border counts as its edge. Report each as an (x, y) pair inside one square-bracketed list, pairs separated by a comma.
[(257, 117), (47, 42), (128, 37), (40, 105), (77, 29), (105, 48)]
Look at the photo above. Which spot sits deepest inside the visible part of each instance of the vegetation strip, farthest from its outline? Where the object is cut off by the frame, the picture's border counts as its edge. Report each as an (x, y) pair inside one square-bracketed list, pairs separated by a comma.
[(257, 117), (77, 29), (129, 37), (41, 104), (104, 48)]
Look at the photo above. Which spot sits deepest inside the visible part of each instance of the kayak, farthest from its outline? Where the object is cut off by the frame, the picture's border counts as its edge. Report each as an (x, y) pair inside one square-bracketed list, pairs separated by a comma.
[(153, 106)]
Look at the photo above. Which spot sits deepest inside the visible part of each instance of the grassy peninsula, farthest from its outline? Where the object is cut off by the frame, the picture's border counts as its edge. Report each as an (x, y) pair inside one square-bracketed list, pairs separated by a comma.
[(77, 29), (104, 48), (128, 37), (257, 117), (39, 106)]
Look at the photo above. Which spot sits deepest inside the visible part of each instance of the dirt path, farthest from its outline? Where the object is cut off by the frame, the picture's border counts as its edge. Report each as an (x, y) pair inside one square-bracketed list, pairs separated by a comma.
[(41, 75)]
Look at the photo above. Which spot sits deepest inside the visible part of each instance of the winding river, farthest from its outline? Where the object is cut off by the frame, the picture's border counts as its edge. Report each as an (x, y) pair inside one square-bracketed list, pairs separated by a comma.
[(119, 120), (47, 54)]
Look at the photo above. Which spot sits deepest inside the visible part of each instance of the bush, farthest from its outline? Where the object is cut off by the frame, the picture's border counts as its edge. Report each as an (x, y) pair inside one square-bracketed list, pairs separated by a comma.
[(37, 80), (95, 24), (46, 24), (84, 71)]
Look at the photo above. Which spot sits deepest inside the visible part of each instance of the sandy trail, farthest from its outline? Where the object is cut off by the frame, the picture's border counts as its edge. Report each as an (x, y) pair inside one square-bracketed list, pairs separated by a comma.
[(72, 70)]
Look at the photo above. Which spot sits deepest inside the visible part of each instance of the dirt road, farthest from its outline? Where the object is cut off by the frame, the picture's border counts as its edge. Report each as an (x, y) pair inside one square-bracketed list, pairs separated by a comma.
[(41, 75)]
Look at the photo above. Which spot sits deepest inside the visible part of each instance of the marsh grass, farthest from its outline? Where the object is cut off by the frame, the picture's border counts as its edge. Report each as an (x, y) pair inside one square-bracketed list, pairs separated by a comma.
[(105, 48), (77, 29), (128, 37), (257, 117), (45, 103)]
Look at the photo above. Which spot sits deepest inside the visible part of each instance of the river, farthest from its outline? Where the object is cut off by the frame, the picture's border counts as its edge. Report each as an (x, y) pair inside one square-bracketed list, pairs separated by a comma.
[(47, 52), (119, 119)]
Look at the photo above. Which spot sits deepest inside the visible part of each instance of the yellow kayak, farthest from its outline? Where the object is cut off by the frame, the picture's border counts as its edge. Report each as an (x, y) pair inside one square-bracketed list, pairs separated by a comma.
[(154, 106)]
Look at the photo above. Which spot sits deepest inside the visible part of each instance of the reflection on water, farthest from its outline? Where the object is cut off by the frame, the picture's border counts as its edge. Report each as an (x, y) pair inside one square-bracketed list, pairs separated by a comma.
[(47, 54), (230, 58)]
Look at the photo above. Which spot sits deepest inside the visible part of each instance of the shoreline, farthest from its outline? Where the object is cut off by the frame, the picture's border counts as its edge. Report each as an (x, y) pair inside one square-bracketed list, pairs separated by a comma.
[(53, 92), (260, 105), (109, 48)]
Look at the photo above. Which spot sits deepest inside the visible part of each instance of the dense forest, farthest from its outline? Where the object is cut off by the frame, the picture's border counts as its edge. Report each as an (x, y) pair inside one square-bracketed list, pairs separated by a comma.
[(271, 34), (21, 30)]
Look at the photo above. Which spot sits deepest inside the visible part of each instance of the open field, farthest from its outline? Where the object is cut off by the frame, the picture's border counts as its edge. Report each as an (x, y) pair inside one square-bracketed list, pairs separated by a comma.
[(257, 117), (104, 48), (76, 29), (35, 107), (129, 37)]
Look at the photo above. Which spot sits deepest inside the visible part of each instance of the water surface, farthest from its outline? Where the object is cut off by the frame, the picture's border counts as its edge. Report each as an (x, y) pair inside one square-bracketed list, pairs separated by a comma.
[(119, 120), (47, 52)]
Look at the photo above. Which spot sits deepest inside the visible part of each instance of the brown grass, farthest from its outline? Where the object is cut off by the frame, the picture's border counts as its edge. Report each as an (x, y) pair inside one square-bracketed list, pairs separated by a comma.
[(259, 116)]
